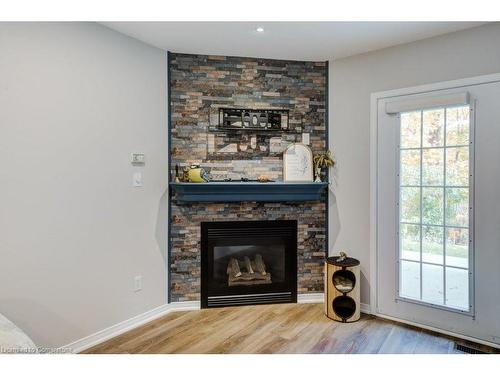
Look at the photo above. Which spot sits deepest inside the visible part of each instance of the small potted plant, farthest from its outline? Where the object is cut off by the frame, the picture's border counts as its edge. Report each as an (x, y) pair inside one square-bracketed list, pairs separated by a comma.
[(322, 161)]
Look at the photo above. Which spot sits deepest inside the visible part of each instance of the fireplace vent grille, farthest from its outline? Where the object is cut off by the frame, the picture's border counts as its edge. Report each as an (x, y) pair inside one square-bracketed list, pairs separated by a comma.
[(251, 299), (468, 349)]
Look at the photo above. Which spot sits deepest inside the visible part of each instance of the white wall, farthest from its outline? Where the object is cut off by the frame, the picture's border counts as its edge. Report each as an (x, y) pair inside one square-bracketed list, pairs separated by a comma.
[(75, 100), (462, 54)]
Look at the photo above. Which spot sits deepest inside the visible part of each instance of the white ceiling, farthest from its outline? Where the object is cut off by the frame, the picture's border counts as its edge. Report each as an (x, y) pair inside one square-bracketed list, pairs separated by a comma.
[(314, 41)]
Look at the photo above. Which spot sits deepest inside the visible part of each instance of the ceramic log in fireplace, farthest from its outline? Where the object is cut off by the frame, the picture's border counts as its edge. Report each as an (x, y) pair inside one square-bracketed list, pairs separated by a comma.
[(248, 262)]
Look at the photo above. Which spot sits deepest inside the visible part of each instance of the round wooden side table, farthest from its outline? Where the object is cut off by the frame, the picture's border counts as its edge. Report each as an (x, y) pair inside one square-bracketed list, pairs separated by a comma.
[(342, 296)]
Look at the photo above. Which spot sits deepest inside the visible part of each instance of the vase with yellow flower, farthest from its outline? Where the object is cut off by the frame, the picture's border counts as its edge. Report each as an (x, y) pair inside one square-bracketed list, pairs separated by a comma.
[(322, 161)]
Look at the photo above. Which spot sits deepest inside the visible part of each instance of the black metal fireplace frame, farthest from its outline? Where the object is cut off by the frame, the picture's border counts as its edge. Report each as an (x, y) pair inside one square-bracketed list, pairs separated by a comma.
[(283, 292)]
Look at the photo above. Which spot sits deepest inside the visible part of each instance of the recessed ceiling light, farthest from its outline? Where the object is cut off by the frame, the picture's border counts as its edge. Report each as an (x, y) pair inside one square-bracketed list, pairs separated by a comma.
[(259, 29)]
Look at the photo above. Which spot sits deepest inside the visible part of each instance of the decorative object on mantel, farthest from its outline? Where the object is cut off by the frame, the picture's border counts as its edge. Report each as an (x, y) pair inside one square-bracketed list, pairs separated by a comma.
[(275, 145), (177, 177), (322, 161), (196, 173), (342, 293), (253, 119), (297, 163), (263, 178)]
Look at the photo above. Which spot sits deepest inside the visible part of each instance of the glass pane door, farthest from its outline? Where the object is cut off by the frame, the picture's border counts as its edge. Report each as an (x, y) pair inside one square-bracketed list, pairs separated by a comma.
[(434, 245)]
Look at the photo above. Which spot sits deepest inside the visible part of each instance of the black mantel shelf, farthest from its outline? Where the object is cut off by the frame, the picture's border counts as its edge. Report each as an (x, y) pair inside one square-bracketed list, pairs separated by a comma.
[(248, 191)]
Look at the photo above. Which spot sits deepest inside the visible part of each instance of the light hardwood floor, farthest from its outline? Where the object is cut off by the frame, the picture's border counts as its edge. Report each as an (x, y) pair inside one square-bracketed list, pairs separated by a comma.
[(285, 328)]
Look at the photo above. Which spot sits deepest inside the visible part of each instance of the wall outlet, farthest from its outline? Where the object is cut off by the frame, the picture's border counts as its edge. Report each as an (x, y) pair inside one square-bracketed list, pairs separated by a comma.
[(137, 283)]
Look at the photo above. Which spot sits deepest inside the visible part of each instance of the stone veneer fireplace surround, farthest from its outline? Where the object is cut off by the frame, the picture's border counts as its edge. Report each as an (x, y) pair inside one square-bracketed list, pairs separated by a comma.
[(198, 86)]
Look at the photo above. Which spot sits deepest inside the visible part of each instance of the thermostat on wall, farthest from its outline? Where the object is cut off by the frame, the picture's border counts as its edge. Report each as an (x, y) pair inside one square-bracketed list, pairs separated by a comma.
[(137, 159)]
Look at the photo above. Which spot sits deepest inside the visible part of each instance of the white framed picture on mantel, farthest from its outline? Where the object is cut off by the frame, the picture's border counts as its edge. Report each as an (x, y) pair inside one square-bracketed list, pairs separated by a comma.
[(297, 163)]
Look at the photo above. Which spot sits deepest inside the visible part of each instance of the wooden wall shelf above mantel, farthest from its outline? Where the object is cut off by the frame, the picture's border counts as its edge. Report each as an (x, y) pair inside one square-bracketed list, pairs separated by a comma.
[(248, 191)]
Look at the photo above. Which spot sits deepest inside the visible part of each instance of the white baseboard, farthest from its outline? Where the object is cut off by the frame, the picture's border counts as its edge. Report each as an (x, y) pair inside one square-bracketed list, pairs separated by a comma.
[(185, 306), (117, 329), (365, 308), (438, 330), (141, 319), (310, 298)]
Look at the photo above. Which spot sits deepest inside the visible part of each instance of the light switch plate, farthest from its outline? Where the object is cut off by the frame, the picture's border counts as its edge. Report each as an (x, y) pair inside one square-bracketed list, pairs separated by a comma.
[(137, 179)]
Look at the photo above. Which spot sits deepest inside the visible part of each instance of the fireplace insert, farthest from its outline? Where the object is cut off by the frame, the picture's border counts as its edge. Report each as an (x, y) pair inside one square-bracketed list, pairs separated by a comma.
[(248, 262)]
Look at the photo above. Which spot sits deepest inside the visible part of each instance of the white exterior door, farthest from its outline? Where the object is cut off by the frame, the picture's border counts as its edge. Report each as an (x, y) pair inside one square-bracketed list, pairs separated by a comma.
[(437, 217)]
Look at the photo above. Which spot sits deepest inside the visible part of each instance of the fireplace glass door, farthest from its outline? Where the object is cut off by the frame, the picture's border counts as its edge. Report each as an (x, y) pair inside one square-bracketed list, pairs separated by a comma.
[(248, 262)]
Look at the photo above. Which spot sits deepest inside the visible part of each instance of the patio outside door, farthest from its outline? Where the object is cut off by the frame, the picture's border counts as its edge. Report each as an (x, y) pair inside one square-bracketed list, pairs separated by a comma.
[(438, 209)]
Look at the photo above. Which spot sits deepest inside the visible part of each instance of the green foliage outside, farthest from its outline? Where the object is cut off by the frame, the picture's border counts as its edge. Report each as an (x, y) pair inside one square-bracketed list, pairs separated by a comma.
[(427, 129), (459, 251)]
